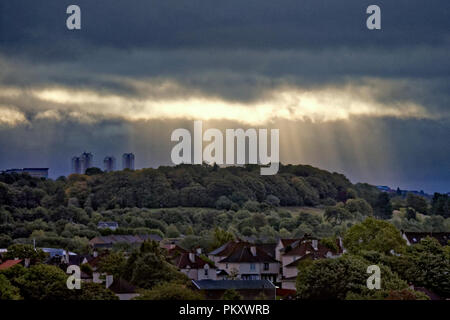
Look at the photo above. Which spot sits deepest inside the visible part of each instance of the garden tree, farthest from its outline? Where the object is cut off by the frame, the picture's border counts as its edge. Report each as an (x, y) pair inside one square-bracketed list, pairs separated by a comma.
[(147, 267), (359, 205), (43, 282), (93, 291), (7, 290), (425, 264), (25, 251), (339, 278), (170, 291), (113, 263), (220, 237), (417, 202), (400, 294), (150, 270), (406, 294), (383, 207), (337, 214), (231, 294), (376, 235)]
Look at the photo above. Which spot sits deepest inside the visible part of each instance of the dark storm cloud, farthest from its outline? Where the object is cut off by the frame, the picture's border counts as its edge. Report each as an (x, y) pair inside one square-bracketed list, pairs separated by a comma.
[(230, 24), (236, 50)]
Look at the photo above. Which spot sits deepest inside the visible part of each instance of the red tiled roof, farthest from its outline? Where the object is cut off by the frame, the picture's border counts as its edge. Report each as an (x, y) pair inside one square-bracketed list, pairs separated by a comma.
[(183, 260), (300, 248), (243, 253), (285, 292), (286, 242), (9, 263)]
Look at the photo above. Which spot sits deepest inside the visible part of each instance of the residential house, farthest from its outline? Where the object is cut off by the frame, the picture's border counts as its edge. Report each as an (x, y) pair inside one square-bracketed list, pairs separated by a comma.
[(245, 261), (249, 290), (107, 242), (292, 251), (195, 267)]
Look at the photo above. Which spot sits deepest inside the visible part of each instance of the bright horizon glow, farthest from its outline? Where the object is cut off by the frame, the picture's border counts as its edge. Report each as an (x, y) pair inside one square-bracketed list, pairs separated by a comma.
[(321, 105)]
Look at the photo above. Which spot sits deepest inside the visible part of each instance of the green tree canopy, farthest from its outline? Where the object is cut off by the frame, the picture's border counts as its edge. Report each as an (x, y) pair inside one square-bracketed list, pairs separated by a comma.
[(373, 234), (170, 291)]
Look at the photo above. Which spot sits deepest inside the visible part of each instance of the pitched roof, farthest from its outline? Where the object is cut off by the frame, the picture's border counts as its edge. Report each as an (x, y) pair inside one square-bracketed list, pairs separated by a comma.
[(109, 240), (242, 253), (313, 255), (286, 242), (224, 249), (175, 250), (270, 248), (9, 263), (183, 261), (232, 284), (305, 245)]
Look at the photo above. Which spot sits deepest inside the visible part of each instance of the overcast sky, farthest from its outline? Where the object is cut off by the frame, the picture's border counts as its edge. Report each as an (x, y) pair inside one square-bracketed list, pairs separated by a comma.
[(373, 105)]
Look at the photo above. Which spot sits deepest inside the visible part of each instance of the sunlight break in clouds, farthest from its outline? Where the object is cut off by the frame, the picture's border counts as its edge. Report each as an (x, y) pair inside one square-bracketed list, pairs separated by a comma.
[(321, 105), (11, 117)]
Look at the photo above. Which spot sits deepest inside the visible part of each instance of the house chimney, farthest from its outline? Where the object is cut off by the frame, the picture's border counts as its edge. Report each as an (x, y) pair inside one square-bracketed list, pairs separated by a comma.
[(67, 256), (109, 280), (192, 257), (95, 254), (253, 250), (315, 244), (27, 262), (199, 250)]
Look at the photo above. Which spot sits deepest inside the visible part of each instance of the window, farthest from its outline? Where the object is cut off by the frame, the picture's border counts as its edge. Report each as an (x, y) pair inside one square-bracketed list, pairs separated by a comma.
[(252, 266), (226, 266), (266, 266), (206, 272)]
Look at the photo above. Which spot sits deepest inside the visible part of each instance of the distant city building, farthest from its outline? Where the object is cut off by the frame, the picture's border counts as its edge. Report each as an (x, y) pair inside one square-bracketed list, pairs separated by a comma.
[(86, 161), (34, 172), (76, 165), (128, 161), (109, 164)]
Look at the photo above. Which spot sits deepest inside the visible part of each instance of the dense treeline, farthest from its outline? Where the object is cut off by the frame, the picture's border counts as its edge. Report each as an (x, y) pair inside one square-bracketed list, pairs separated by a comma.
[(183, 185), (65, 212)]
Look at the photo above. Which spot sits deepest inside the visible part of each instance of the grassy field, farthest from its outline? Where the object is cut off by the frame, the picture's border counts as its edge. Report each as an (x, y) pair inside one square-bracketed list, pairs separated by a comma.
[(313, 210)]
